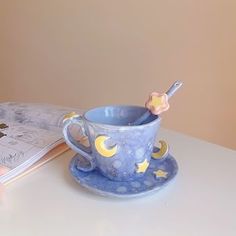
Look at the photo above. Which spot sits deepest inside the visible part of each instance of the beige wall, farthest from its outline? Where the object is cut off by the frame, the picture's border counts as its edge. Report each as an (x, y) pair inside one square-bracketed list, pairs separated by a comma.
[(90, 53)]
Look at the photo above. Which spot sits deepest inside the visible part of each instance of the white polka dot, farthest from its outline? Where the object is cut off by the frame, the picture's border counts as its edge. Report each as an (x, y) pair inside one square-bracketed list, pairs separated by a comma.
[(147, 183), (135, 184), (162, 167), (121, 189), (139, 153), (117, 164), (129, 152), (152, 165)]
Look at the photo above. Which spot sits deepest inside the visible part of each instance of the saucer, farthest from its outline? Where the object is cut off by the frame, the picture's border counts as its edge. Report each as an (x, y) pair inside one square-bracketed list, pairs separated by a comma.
[(158, 175)]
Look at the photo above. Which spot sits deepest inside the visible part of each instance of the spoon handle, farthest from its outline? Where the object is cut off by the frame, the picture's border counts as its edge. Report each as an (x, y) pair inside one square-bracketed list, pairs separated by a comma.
[(142, 118), (174, 87), (170, 92)]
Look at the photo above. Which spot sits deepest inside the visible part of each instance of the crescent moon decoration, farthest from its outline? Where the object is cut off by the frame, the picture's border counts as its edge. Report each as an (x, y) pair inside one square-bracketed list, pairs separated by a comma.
[(70, 116), (102, 149), (163, 152)]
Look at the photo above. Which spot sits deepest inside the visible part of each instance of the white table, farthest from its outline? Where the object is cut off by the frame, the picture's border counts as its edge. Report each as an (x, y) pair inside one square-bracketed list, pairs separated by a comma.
[(200, 201)]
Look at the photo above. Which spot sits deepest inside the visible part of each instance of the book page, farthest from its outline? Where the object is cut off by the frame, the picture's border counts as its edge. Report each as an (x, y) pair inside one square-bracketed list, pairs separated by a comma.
[(22, 145), (55, 152), (44, 116)]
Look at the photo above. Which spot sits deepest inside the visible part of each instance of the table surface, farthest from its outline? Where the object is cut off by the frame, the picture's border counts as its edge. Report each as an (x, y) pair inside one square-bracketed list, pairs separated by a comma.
[(200, 201)]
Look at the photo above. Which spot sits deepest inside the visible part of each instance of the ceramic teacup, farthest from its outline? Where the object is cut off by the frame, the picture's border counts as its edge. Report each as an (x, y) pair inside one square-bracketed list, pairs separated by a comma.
[(119, 151)]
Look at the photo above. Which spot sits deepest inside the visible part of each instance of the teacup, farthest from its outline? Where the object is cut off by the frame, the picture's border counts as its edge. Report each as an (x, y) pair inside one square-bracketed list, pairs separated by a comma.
[(119, 151)]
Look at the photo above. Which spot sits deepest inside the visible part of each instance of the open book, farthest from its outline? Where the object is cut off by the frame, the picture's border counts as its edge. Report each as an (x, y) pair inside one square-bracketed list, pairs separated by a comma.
[(30, 135)]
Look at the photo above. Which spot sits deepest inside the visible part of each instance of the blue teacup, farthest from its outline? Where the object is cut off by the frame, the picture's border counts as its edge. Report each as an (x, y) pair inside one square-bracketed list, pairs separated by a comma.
[(119, 151)]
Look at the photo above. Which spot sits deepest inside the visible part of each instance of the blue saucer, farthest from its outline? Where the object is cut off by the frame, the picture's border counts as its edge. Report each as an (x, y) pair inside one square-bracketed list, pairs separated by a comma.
[(159, 174)]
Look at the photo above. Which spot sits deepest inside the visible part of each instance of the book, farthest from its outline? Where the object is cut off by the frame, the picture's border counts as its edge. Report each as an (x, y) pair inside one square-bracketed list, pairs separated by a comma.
[(30, 136)]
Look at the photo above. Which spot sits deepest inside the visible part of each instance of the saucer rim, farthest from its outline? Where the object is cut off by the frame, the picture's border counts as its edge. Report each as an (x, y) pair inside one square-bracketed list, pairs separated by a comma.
[(125, 195)]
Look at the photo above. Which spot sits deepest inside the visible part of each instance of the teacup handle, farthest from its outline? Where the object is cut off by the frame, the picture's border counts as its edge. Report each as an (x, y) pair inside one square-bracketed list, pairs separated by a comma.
[(73, 118)]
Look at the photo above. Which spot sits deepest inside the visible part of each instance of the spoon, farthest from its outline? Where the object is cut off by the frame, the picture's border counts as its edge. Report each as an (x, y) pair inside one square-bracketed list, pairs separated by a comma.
[(156, 109)]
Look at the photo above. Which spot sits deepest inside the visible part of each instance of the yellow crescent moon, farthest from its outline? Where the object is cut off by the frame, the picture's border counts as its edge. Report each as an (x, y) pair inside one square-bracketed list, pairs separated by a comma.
[(101, 148), (164, 150)]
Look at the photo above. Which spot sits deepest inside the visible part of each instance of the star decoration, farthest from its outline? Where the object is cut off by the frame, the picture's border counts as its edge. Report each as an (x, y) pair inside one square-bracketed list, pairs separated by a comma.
[(142, 167), (157, 103), (160, 174)]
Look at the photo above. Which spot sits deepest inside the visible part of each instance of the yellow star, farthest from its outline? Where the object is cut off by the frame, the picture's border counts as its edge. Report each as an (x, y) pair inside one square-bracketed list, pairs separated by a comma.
[(156, 101), (142, 167), (160, 173)]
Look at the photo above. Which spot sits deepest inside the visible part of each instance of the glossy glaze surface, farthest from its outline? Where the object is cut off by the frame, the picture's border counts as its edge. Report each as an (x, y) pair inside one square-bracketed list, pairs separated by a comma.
[(159, 173)]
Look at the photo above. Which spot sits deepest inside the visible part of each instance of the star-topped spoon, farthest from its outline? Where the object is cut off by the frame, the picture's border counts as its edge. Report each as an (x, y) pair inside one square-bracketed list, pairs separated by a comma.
[(158, 103)]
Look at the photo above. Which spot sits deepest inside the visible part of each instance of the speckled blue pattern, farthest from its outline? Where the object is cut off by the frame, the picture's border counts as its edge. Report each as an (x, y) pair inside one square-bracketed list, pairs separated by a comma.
[(146, 184), (134, 144)]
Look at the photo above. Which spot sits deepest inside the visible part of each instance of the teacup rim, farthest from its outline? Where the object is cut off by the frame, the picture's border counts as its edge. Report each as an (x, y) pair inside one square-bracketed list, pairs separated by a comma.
[(158, 119)]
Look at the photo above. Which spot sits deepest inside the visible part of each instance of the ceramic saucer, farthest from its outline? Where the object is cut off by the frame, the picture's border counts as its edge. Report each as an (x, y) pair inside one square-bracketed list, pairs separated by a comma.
[(157, 176)]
